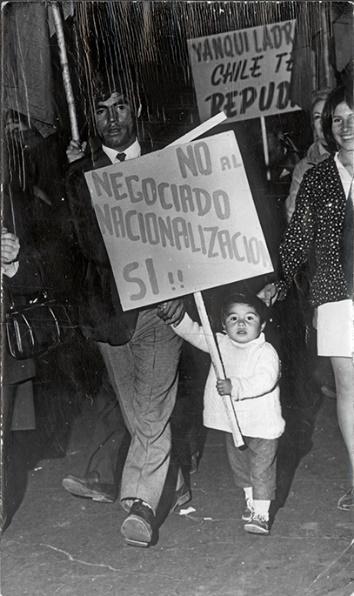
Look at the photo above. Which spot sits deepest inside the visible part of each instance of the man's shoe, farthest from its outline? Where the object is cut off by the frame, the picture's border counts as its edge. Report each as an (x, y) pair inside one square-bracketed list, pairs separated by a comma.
[(346, 502), (182, 496), (138, 527), (90, 487), (257, 525), (248, 511)]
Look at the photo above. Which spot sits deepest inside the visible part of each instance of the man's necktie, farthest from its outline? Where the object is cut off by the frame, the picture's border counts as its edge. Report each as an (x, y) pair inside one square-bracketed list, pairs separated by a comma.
[(121, 156)]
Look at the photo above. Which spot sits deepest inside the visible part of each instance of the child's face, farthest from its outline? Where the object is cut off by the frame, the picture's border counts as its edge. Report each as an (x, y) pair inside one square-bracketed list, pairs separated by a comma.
[(242, 323)]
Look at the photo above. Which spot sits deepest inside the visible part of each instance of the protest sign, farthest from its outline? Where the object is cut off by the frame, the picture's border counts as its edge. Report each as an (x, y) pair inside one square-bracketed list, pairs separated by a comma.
[(245, 73), (178, 221)]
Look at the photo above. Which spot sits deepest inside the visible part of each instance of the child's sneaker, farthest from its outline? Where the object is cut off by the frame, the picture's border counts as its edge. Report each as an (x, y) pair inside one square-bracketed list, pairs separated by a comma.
[(257, 525), (248, 511)]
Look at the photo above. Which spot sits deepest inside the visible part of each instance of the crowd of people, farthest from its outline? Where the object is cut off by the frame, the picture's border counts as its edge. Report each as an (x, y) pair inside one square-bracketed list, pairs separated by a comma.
[(141, 349)]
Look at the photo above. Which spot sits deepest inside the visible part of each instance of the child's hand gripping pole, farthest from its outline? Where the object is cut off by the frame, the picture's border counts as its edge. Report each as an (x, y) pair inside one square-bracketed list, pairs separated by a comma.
[(219, 369)]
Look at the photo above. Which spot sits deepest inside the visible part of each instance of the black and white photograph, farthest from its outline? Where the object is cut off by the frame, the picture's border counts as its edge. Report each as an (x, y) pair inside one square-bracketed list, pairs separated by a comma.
[(177, 306)]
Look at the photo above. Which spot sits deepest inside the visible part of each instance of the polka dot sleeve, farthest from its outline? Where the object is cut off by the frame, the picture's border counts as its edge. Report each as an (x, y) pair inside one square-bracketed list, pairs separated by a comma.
[(298, 238)]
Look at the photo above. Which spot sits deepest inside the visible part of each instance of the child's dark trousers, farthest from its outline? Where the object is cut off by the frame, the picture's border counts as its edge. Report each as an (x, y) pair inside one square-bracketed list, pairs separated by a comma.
[(254, 465)]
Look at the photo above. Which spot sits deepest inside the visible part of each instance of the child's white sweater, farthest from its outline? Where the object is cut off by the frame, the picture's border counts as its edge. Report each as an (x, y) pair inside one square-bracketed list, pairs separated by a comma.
[(254, 370)]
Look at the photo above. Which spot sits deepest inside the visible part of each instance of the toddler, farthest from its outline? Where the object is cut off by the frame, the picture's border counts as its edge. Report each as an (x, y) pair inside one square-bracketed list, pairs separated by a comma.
[(252, 370)]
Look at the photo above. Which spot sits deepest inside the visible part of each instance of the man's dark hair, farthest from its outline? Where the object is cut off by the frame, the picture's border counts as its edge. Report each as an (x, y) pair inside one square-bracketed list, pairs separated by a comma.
[(108, 81), (337, 96), (238, 298)]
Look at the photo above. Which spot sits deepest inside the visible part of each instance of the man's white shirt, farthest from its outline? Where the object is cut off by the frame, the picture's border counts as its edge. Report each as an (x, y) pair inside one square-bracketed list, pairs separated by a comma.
[(133, 151)]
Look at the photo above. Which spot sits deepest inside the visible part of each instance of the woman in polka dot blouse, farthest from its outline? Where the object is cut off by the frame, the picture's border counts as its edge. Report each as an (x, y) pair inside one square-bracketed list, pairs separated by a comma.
[(322, 225)]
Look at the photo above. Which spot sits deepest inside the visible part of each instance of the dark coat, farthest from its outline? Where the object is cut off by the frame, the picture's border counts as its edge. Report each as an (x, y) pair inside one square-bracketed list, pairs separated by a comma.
[(100, 312), (26, 282)]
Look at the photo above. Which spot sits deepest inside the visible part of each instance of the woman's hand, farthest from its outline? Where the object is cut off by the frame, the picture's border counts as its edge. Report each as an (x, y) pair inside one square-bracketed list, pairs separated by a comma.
[(269, 294), (224, 386), (10, 246)]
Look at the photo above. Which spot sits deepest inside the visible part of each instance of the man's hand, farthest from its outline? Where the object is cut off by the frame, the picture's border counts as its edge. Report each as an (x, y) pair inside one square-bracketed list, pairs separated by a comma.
[(269, 294), (10, 246), (171, 311), (224, 386), (75, 151)]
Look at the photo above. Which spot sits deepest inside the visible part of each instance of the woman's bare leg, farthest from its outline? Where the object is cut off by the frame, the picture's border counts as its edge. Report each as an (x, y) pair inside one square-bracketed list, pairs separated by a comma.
[(343, 369)]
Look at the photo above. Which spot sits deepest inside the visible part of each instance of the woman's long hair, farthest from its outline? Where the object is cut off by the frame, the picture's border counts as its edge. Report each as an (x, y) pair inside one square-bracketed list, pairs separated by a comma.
[(337, 96)]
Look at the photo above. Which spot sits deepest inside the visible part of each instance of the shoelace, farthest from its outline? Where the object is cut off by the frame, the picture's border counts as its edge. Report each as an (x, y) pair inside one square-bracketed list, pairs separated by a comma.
[(260, 517)]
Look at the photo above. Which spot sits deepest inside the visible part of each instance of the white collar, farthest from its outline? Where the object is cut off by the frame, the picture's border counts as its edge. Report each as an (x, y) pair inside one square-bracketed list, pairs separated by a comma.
[(254, 342), (133, 151), (345, 177)]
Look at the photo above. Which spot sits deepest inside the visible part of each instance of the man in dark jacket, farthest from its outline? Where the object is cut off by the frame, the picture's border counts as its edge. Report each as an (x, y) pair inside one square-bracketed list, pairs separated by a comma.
[(140, 350)]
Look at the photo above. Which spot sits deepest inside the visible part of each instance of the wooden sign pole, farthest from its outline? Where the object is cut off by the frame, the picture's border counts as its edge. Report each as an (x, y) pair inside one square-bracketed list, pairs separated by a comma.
[(65, 72), (219, 369)]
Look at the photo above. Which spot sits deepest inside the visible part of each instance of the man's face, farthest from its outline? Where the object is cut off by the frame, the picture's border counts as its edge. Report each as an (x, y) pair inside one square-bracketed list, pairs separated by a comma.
[(115, 122)]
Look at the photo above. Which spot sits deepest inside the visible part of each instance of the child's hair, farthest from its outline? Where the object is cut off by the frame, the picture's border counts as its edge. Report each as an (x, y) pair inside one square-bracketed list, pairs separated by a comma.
[(238, 298)]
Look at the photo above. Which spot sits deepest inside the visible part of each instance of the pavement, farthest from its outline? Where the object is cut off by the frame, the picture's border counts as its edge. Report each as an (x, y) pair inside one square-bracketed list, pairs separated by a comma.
[(61, 545)]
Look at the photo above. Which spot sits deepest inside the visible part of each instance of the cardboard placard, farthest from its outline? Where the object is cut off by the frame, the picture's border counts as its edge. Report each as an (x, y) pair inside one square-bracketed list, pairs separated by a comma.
[(178, 221), (245, 73)]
